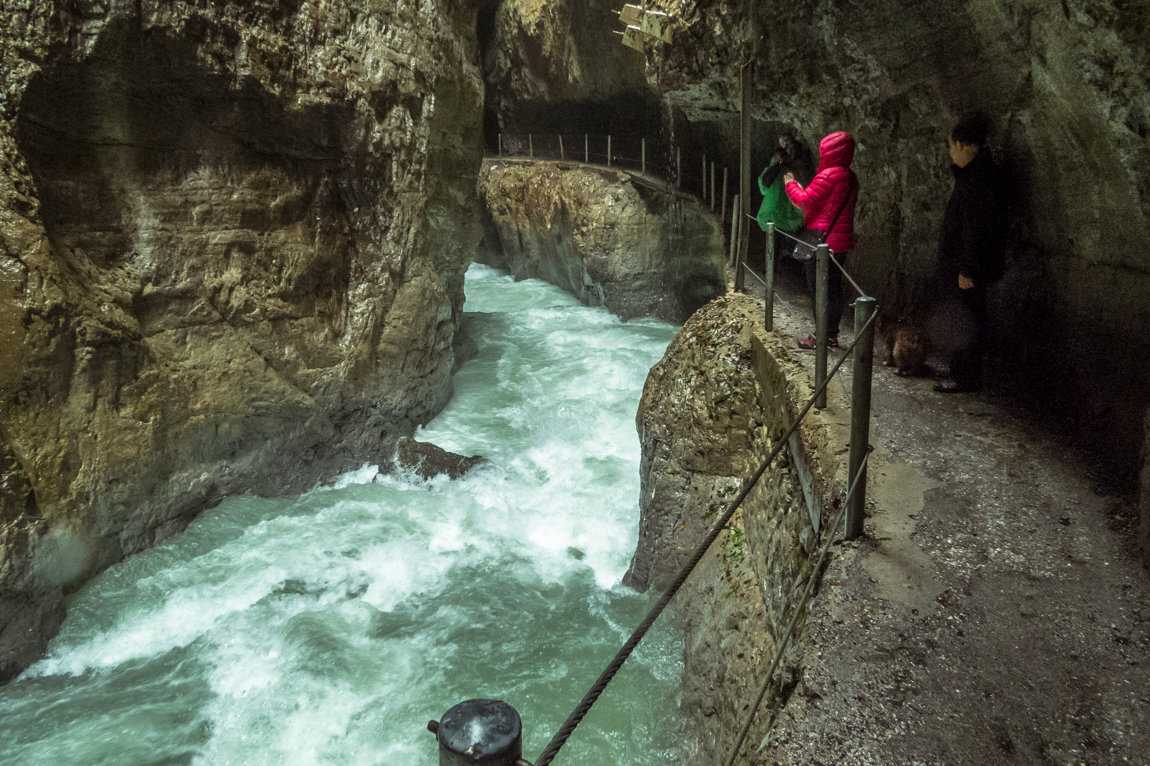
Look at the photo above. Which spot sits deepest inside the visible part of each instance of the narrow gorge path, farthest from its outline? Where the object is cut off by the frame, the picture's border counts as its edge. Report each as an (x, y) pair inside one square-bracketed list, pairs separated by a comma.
[(996, 610)]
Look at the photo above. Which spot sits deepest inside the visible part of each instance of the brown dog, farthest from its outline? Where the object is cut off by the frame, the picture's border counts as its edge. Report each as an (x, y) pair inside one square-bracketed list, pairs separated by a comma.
[(906, 347)]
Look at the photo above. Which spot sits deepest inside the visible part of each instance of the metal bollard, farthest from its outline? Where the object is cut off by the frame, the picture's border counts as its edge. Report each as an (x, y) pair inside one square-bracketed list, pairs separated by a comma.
[(769, 278), (860, 415), (479, 731), (822, 265)]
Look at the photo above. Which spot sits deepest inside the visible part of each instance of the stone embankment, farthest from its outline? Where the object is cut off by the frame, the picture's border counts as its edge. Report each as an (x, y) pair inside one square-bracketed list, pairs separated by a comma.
[(994, 612)]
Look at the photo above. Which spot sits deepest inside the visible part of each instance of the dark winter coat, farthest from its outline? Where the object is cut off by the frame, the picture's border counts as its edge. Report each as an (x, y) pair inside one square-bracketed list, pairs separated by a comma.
[(833, 186), (974, 224)]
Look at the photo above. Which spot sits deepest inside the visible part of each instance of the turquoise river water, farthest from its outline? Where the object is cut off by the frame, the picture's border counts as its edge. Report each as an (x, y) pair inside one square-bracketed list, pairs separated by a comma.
[(329, 628)]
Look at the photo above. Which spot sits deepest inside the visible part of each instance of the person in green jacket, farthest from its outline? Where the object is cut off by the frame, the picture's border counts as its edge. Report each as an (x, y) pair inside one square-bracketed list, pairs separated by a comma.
[(777, 207)]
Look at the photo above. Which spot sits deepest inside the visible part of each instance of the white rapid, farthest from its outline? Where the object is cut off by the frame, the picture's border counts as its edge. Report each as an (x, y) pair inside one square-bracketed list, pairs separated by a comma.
[(329, 628)]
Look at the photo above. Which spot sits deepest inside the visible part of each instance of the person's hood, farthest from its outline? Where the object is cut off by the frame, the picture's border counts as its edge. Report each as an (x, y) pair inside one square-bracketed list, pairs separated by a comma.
[(837, 149)]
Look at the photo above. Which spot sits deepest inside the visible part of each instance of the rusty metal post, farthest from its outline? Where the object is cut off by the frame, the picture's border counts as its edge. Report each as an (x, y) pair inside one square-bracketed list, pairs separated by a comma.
[(860, 415), (822, 266), (561, 155), (479, 731), (769, 278), (530, 146)]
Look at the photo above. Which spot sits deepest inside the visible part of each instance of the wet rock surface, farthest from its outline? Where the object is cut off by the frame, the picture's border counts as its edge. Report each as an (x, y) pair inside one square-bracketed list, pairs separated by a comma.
[(232, 245), (611, 239), (994, 612)]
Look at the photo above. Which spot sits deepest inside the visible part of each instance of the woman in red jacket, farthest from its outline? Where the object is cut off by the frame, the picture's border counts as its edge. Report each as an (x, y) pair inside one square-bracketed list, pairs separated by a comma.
[(828, 204)]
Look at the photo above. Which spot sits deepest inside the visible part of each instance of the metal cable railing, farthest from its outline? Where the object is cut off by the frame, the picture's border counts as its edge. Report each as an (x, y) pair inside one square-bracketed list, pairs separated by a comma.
[(695, 173), (851, 513)]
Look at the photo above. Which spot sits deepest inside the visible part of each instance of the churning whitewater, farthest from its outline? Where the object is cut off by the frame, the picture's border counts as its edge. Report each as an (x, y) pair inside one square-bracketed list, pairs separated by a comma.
[(331, 627)]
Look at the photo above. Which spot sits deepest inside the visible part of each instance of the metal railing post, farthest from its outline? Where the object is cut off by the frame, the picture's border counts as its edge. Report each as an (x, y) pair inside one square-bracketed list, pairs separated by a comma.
[(822, 266), (860, 414), (741, 251), (734, 230), (561, 155), (530, 146), (608, 150), (643, 157), (491, 728), (723, 207), (712, 187), (769, 278), (586, 150), (500, 144)]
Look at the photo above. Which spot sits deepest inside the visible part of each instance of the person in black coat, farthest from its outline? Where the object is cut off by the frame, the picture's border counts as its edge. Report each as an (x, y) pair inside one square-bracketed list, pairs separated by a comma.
[(972, 245)]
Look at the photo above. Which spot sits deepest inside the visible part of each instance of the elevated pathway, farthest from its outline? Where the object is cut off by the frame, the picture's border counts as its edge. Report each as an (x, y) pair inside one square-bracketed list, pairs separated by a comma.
[(996, 610)]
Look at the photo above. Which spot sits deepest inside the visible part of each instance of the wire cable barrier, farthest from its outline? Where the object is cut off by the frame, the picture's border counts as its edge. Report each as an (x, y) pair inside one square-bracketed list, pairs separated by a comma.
[(834, 260), (826, 548), (596, 690)]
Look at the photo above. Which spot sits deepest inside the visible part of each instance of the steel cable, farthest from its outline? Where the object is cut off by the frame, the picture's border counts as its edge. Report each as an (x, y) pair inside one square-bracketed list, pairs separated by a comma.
[(596, 690), (798, 610)]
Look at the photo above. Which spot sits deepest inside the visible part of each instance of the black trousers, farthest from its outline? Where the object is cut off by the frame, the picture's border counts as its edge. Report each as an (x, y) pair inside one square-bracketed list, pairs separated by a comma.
[(966, 359), (836, 301)]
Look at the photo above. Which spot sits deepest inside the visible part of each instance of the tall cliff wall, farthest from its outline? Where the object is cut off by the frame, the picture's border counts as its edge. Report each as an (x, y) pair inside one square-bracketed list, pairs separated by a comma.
[(233, 244)]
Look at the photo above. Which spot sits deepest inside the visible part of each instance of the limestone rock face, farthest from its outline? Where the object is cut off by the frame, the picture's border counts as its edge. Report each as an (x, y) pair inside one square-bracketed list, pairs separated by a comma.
[(558, 65), (602, 236), (233, 243), (1065, 85), (711, 412)]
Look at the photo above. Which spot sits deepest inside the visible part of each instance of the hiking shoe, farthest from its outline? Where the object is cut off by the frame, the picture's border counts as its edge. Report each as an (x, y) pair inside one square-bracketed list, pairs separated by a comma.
[(810, 342)]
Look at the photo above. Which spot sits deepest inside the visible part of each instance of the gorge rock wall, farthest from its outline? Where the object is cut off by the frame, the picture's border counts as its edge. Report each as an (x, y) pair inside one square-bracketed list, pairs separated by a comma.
[(1068, 88), (712, 409), (606, 237), (233, 244)]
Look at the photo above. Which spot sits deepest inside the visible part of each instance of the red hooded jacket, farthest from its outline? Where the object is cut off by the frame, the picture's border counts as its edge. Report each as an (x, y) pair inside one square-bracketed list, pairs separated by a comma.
[(833, 183)]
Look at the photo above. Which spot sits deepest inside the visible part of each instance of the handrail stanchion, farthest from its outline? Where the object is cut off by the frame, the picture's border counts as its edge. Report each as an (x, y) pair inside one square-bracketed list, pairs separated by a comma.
[(769, 278), (608, 150), (530, 146), (586, 150), (741, 253), (561, 155), (822, 265), (712, 187), (723, 207), (643, 156), (860, 414), (734, 229)]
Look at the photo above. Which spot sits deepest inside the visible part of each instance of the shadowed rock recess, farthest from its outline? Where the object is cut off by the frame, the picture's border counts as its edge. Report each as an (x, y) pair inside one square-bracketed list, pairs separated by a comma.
[(234, 237)]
